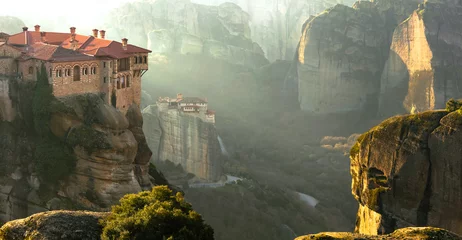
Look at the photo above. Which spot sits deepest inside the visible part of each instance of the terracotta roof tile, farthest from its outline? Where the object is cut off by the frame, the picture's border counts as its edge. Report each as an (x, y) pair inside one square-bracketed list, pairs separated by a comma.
[(58, 46)]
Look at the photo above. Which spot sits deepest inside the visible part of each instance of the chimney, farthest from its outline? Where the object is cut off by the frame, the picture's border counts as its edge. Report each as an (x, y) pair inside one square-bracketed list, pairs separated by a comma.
[(72, 30), (124, 43), (37, 28), (102, 34), (24, 29), (74, 43), (43, 37), (95, 33), (179, 96)]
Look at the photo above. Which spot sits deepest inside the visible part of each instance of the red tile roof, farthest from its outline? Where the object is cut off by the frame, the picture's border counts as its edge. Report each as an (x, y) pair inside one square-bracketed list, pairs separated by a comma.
[(56, 53), (58, 46)]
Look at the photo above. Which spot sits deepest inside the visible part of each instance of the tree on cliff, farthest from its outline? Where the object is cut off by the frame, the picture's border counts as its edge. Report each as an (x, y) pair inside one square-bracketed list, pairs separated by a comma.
[(53, 158), (157, 214)]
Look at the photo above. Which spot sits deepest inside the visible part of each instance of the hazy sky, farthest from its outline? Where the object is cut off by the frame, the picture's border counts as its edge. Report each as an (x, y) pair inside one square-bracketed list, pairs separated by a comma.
[(59, 15)]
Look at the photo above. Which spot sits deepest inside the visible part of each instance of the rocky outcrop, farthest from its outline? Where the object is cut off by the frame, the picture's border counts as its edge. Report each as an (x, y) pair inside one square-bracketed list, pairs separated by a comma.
[(406, 172), (10, 24), (405, 233), (55, 225), (423, 68), (342, 52), (183, 27), (108, 151), (184, 139), (275, 25)]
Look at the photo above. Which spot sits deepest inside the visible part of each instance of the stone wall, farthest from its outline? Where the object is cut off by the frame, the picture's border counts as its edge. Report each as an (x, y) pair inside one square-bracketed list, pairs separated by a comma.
[(65, 85)]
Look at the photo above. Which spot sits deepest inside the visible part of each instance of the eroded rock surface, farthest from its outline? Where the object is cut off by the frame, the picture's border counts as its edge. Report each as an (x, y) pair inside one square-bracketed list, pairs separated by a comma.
[(406, 172), (341, 55), (186, 140), (405, 233), (424, 61), (55, 225), (183, 27)]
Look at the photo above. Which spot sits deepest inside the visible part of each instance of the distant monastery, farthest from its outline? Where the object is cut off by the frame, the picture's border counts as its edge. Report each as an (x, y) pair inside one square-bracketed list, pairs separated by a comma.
[(77, 64), (189, 105)]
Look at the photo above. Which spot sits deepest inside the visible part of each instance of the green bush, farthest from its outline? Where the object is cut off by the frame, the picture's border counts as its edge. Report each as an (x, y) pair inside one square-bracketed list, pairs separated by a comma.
[(157, 214), (453, 105)]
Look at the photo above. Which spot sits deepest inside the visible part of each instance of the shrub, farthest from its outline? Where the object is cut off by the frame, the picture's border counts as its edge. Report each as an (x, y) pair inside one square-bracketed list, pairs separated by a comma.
[(453, 105), (156, 214)]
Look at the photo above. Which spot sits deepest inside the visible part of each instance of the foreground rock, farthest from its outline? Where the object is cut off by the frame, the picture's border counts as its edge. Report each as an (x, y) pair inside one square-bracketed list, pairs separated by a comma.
[(405, 233), (406, 172), (425, 59), (55, 225), (341, 55)]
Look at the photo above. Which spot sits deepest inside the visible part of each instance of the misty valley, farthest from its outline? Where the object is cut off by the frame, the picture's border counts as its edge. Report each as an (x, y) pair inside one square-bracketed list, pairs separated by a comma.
[(232, 119)]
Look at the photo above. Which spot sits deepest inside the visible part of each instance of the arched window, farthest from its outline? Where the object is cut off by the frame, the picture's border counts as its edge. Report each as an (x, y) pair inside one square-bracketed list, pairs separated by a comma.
[(140, 59), (77, 73), (128, 81), (59, 73), (85, 71), (51, 72), (118, 83)]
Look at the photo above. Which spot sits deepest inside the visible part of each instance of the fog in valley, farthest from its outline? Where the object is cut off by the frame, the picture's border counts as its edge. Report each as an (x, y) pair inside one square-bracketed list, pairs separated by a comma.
[(288, 88)]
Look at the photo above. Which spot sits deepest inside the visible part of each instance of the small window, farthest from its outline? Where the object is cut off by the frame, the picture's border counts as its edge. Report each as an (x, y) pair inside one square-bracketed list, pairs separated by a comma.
[(136, 60), (93, 70), (104, 64), (105, 79), (51, 72), (128, 81), (118, 83), (85, 71), (140, 59), (59, 73), (67, 72), (145, 59), (31, 70)]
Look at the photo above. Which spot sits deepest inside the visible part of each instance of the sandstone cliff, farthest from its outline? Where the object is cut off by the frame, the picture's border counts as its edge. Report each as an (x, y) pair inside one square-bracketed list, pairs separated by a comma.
[(342, 52), (91, 156), (405, 233), (406, 172), (184, 139), (183, 27), (10, 24), (423, 68)]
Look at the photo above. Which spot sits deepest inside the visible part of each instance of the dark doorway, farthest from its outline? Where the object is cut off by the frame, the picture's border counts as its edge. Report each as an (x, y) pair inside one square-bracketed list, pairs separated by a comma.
[(114, 99), (76, 73)]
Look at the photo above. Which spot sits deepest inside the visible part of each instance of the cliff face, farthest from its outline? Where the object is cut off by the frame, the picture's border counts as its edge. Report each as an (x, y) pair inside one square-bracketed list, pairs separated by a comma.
[(406, 172), (184, 139), (92, 157), (276, 24), (425, 58), (342, 52), (10, 24), (183, 27)]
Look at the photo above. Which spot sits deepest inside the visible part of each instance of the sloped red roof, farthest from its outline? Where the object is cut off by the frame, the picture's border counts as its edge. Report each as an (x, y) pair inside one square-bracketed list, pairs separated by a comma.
[(34, 37), (56, 53), (88, 46)]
